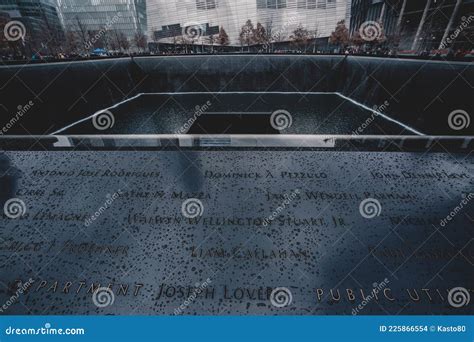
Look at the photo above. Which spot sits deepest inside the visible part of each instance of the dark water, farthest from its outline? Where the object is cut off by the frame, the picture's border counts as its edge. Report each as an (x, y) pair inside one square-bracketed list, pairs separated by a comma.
[(241, 113)]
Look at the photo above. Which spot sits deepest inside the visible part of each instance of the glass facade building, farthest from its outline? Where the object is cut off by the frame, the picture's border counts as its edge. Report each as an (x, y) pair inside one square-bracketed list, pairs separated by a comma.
[(418, 25), (44, 32), (167, 19), (117, 16)]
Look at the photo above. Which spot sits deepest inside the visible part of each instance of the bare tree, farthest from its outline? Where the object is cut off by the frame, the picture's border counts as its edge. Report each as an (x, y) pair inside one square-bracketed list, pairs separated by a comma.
[(340, 35), (246, 34), (260, 34), (107, 40), (300, 36), (140, 40), (122, 41), (73, 43), (315, 34), (269, 35), (183, 40), (223, 38), (112, 43), (54, 34), (269, 28), (83, 34)]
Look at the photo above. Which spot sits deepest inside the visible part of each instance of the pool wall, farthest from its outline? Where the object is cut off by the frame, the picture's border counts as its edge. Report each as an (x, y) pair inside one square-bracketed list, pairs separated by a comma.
[(421, 94)]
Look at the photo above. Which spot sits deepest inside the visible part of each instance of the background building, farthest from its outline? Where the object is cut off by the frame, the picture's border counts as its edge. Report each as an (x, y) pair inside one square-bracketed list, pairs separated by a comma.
[(418, 25), (43, 30), (108, 24), (169, 19)]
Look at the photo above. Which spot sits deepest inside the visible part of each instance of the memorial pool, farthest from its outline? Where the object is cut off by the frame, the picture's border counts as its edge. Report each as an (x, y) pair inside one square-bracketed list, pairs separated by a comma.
[(242, 113)]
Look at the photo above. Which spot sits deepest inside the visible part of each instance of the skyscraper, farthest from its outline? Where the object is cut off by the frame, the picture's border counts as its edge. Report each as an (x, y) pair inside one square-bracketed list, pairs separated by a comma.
[(111, 24), (43, 29)]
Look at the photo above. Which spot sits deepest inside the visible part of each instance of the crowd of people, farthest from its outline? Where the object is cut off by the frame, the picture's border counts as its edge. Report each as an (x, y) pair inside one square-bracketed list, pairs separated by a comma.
[(447, 54)]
